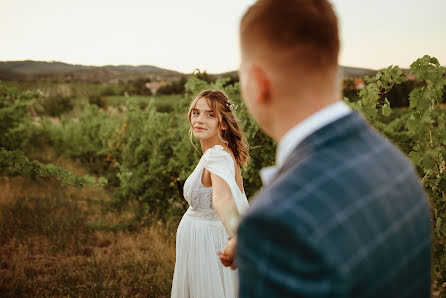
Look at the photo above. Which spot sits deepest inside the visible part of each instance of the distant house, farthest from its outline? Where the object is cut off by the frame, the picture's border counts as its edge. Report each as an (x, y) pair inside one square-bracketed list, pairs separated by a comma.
[(154, 86), (411, 77), (359, 83)]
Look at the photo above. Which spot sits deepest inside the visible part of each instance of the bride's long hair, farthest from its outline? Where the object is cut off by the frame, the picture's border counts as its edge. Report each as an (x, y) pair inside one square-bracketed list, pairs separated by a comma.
[(233, 136)]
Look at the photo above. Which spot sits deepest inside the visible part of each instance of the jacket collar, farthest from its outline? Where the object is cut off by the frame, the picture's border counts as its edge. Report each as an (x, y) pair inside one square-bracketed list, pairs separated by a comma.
[(333, 132)]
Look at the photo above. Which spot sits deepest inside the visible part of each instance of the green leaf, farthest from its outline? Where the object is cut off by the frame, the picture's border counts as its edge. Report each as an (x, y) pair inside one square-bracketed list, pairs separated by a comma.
[(438, 224)]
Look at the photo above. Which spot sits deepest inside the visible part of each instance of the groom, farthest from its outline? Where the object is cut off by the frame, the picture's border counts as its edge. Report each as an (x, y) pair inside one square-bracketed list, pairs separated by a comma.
[(343, 213)]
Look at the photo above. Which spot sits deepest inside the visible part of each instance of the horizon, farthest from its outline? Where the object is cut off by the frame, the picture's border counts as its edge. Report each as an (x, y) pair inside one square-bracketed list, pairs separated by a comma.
[(157, 66)]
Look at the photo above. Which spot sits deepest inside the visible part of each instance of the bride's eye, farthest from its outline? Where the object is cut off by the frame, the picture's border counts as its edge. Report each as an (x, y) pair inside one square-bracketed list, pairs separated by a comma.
[(211, 115), (195, 113)]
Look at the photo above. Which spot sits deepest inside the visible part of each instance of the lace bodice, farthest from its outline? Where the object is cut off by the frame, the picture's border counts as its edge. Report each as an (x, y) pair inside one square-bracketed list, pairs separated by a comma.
[(199, 197)]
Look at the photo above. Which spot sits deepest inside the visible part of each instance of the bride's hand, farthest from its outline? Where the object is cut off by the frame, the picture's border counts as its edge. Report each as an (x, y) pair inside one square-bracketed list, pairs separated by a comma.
[(227, 257), (224, 259)]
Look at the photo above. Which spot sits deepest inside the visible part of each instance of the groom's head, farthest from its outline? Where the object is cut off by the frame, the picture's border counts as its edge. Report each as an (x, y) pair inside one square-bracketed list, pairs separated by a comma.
[(288, 47)]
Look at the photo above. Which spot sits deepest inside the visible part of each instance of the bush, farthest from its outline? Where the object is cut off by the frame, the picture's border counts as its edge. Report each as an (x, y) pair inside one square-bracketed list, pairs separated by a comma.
[(57, 105), (93, 138), (97, 100), (175, 87), (16, 127), (420, 133), (16, 132)]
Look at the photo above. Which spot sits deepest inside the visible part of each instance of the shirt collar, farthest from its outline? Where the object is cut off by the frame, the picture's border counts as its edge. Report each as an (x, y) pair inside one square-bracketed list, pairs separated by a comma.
[(306, 127), (299, 132)]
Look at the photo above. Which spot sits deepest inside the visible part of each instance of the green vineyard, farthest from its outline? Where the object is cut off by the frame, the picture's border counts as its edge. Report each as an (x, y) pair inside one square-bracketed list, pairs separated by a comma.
[(91, 175)]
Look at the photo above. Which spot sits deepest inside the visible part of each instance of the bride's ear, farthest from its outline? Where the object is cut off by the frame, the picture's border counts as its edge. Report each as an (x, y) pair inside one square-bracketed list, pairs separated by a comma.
[(224, 125)]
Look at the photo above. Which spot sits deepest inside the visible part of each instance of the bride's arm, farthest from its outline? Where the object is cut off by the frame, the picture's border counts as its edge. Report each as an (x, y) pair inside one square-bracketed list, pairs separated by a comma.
[(224, 204)]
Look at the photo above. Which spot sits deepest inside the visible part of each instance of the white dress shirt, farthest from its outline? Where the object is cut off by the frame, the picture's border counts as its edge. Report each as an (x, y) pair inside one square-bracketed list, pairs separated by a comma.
[(299, 132)]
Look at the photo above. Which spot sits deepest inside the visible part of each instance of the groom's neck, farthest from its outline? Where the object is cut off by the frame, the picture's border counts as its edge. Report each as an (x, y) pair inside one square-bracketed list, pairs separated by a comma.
[(289, 111)]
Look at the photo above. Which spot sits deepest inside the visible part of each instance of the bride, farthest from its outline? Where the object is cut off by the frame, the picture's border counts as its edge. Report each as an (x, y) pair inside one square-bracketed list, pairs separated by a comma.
[(214, 191)]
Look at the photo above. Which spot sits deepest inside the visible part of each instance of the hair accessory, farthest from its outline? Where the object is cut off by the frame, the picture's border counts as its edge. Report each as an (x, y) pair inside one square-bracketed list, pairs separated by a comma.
[(231, 106)]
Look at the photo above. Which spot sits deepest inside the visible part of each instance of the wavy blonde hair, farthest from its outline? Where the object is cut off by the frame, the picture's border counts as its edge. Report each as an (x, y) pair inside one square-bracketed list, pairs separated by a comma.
[(233, 136)]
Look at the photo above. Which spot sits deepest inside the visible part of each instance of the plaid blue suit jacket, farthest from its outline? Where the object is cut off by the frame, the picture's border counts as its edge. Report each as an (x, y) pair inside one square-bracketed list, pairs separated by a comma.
[(345, 216)]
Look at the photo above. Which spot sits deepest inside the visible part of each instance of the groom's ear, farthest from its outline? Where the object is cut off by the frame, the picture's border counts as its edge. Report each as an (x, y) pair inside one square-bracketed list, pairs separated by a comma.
[(262, 84)]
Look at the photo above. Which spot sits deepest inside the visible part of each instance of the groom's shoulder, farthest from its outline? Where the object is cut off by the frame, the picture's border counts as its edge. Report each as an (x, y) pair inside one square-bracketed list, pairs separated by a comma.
[(319, 179), (355, 200)]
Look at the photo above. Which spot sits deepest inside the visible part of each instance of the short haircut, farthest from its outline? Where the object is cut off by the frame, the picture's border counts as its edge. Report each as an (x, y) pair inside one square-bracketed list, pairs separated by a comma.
[(300, 32)]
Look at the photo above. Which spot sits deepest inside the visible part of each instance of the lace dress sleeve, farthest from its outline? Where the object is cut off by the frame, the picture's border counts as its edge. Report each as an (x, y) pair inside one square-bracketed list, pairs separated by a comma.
[(220, 163)]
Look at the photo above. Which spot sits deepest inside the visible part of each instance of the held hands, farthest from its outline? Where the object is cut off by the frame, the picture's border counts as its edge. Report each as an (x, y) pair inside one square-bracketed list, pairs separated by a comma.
[(227, 257)]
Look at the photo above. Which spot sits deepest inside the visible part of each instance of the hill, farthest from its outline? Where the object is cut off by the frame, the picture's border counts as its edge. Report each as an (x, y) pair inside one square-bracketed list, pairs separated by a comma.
[(29, 70), (354, 72)]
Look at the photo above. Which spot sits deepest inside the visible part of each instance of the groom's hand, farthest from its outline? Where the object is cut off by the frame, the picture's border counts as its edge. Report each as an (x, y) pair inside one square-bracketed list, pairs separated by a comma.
[(227, 257)]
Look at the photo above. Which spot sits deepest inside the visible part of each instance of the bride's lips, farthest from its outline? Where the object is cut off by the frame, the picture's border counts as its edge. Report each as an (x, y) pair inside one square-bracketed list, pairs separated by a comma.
[(199, 128)]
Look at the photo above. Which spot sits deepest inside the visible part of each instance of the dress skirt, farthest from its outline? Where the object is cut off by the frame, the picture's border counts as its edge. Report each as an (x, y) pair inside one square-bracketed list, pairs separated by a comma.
[(198, 270)]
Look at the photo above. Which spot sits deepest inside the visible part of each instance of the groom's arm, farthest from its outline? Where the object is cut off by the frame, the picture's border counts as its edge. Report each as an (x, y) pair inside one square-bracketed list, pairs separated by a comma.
[(275, 260)]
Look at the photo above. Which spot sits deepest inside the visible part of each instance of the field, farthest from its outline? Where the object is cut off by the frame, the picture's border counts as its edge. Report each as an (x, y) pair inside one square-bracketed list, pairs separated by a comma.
[(59, 241), (62, 241), (91, 176)]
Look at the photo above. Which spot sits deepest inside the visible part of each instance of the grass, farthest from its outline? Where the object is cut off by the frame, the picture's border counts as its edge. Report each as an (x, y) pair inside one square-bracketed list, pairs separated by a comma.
[(51, 246)]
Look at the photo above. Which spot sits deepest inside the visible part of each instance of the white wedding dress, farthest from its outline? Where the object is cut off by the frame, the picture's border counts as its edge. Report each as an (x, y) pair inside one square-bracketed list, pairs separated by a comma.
[(198, 271)]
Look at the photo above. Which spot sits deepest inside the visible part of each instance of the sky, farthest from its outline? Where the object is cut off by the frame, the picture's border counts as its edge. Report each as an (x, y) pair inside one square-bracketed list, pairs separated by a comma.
[(186, 34)]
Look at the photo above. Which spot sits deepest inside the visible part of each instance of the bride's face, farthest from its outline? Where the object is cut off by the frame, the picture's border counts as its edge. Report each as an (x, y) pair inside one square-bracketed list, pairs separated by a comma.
[(204, 121)]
